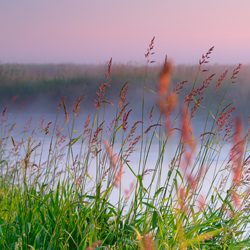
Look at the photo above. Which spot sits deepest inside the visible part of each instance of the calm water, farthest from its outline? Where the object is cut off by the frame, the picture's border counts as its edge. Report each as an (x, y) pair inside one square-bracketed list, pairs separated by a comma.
[(215, 163)]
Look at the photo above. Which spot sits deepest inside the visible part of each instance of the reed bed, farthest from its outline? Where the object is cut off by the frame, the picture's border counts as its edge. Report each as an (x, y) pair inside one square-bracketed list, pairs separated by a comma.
[(44, 85), (62, 187)]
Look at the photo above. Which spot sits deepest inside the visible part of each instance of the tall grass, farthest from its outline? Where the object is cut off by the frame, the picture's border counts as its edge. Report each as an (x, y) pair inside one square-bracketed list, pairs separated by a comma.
[(152, 183)]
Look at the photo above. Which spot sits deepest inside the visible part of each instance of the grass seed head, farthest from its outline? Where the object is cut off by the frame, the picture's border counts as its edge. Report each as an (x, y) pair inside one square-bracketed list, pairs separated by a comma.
[(65, 112)]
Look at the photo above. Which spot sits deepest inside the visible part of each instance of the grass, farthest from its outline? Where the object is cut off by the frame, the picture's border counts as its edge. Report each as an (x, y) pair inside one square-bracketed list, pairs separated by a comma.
[(63, 186)]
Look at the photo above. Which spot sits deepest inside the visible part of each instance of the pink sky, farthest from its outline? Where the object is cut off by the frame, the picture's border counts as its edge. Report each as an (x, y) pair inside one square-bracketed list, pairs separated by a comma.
[(92, 31)]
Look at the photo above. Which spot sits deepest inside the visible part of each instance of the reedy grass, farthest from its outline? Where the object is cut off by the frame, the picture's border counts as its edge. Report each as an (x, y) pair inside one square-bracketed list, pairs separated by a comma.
[(56, 203)]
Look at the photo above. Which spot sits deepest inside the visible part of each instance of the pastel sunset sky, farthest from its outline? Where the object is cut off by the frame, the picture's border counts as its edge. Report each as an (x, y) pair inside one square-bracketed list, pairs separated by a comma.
[(92, 31)]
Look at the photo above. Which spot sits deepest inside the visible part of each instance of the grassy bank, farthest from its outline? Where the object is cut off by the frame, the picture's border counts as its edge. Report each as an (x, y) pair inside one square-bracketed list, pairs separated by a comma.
[(56, 183)]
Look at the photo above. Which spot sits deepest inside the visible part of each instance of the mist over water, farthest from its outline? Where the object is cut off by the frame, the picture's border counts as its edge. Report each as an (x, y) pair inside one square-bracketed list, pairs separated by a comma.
[(45, 96)]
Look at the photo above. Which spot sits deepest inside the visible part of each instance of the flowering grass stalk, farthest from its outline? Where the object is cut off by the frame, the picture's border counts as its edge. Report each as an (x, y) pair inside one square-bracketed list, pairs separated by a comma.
[(120, 183)]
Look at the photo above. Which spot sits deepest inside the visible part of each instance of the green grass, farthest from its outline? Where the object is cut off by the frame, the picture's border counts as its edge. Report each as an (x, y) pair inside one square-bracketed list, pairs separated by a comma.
[(58, 203)]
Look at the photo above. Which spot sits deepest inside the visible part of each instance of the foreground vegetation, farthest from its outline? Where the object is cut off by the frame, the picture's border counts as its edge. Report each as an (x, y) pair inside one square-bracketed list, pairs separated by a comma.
[(65, 189)]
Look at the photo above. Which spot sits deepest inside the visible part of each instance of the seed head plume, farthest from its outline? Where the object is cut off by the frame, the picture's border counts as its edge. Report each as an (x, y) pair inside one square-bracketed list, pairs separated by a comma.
[(4, 112), (186, 131), (235, 72), (125, 120), (235, 162), (149, 50), (65, 111), (94, 245), (164, 81), (204, 58), (13, 99), (60, 104), (109, 69), (151, 113), (239, 151), (221, 80), (167, 100), (14, 144), (20, 107), (148, 243), (47, 128), (123, 94), (76, 105)]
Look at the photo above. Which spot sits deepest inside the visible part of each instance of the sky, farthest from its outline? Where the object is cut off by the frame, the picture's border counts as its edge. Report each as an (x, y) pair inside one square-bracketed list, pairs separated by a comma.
[(93, 31)]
